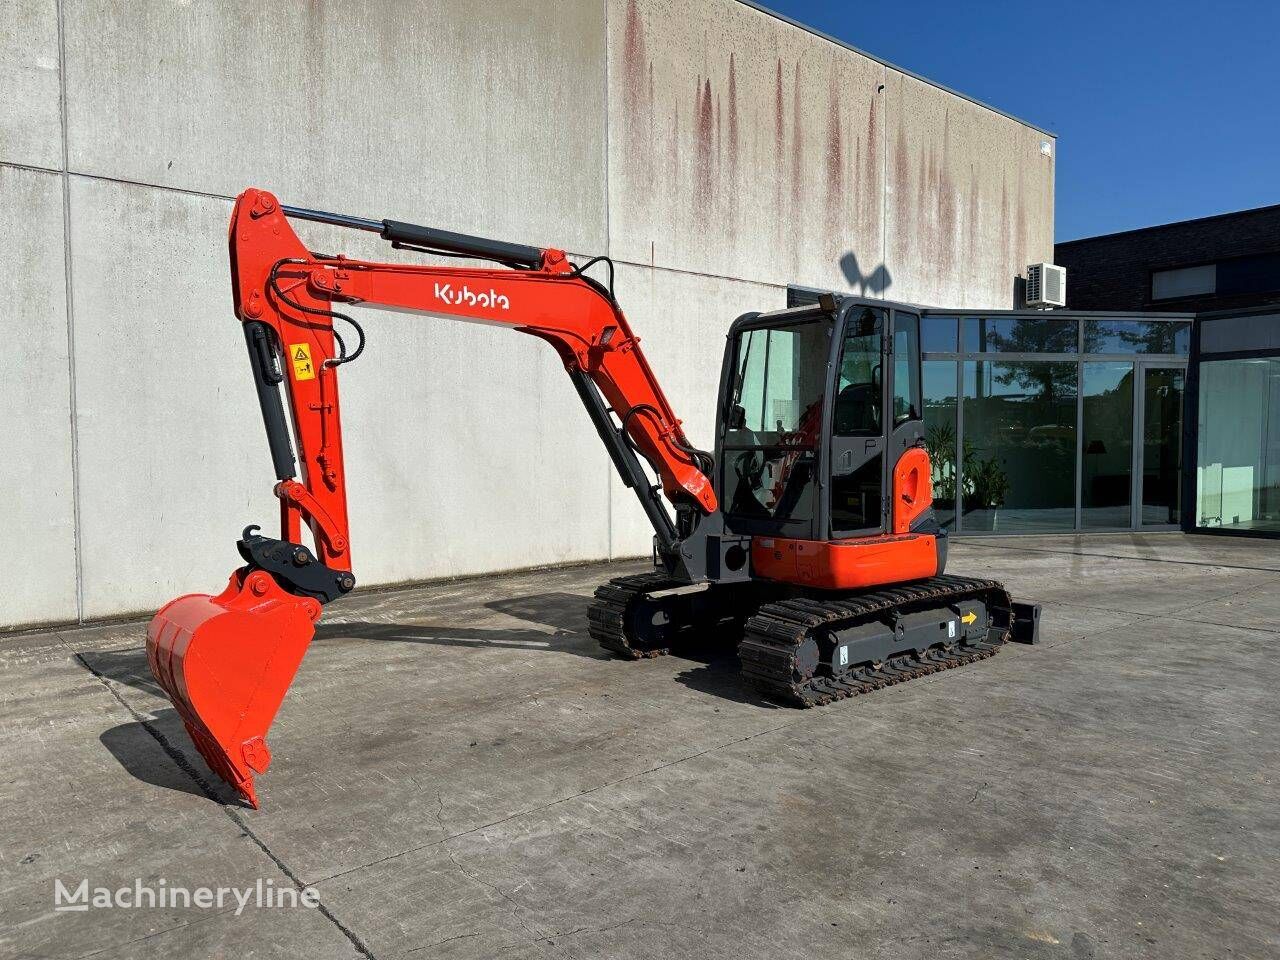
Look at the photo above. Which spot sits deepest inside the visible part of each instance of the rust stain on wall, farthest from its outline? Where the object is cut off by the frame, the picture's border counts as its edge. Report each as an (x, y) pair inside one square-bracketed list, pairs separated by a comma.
[(1020, 254), (779, 151), (901, 195), (869, 189), (634, 58), (732, 110), (835, 160), (1005, 251), (704, 125), (946, 203), (779, 114), (973, 225), (797, 145), (653, 116), (637, 92)]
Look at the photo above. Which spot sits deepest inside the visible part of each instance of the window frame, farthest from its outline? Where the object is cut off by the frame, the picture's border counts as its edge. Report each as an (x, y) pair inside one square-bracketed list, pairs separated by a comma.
[(1079, 356), (885, 319), (1153, 271)]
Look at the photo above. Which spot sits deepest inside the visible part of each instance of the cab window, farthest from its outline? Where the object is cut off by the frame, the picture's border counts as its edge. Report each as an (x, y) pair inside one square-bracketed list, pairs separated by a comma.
[(906, 361), (858, 406)]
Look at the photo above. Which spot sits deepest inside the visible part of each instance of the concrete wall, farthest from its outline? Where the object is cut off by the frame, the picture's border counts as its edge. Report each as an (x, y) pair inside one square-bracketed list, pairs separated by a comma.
[(715, 151)]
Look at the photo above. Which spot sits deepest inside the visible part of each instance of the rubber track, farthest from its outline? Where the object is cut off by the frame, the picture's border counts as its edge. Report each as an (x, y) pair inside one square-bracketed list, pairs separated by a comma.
[(607, 615), (776, 632)]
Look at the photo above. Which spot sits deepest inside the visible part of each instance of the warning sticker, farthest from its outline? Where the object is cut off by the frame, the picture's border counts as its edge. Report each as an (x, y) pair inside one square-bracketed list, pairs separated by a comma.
[(300, 353)]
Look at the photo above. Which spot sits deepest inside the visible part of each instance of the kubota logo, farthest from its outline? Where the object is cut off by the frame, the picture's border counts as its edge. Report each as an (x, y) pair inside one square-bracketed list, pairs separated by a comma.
[(467, 297)]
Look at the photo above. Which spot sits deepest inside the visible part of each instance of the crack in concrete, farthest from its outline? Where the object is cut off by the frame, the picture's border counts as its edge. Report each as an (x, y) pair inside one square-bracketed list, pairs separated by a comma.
[(438, 943), (516, 906), (234, 816), (158, 933)]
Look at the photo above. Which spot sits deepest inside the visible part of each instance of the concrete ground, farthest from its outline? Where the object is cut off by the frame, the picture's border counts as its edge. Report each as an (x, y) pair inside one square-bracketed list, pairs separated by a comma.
[(460, 773)]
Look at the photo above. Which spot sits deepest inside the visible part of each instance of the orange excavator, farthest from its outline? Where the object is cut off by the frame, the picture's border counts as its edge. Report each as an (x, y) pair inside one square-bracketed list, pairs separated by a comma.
[(809, 532)]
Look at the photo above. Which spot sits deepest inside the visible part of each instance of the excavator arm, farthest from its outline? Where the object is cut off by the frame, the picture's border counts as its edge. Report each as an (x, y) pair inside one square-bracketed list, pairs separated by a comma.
[(226, 661)]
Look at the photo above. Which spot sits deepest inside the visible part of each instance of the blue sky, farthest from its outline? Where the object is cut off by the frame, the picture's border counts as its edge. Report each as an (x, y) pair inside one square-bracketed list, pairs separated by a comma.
[(1163, 110)]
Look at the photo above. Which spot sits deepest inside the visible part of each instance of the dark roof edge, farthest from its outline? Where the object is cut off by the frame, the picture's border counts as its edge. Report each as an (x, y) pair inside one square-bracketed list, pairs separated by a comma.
[(1171, 223), (893, 66)]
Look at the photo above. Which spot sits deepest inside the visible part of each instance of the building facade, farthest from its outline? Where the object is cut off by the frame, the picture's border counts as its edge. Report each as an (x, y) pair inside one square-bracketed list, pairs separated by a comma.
[(1226, 269), (1225, 262), (715, 151)]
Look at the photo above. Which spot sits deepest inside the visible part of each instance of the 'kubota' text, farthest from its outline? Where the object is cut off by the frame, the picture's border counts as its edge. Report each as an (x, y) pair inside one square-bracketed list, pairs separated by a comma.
[(446, 293)]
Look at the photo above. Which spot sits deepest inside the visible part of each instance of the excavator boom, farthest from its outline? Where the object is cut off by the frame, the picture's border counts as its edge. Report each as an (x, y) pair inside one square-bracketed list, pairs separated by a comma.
[(226, 661)]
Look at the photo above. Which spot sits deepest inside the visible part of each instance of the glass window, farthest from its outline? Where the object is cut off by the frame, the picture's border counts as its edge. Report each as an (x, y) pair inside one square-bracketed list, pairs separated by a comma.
[(1246, 333), (1136, 336), (1184, 282), (770, 483), (1019, 465), (906, 361), (775, 421), (1018, 335), (1238, 462), (778, 385), (1106, 487), (940, 435), (1161, 445), (1259, 273), (858, 403), (855, 497), (938, 334)]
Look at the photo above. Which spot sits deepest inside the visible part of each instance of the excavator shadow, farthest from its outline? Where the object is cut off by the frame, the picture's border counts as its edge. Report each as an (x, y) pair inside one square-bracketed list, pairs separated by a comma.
[(719, 675), (566, 613), (156, 749), (431, 633), (159, 752)]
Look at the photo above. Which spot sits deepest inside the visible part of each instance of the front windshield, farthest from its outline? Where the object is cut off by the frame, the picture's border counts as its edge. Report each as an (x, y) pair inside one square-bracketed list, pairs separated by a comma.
[(778, 383), (774, 420)]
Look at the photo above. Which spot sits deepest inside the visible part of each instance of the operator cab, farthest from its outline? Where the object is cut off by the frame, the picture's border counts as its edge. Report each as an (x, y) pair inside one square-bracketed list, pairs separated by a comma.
[(817, 405)]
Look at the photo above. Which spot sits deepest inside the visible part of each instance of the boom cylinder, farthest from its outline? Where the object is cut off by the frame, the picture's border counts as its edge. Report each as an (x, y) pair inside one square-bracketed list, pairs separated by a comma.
[(415, 235), (266, 380)]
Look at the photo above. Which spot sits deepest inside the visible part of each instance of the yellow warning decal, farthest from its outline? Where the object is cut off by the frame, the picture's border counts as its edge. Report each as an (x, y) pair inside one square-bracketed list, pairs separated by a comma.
[(300, 354), (969, 618)]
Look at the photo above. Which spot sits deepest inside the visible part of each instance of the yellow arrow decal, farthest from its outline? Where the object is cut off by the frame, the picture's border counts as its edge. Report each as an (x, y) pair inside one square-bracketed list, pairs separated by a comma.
[(969, 618)]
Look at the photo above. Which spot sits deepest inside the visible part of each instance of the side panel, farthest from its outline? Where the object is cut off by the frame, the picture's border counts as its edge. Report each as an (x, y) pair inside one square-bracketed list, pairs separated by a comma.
[(912, 489), (845, 564)]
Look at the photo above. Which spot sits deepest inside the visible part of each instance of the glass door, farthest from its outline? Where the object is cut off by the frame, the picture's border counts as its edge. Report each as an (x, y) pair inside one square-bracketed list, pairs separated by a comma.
[(1158, 457)]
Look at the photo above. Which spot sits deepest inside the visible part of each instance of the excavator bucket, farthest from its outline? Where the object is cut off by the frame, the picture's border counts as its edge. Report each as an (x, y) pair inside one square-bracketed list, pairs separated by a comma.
[(226, 663)]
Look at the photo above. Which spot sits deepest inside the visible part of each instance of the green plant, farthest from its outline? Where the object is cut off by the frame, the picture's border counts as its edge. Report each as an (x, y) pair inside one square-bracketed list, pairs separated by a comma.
[(940, 444), (986, 483)]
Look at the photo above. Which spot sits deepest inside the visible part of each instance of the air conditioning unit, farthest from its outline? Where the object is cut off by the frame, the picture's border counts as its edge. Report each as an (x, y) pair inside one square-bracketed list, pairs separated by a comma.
[(1046, 285)]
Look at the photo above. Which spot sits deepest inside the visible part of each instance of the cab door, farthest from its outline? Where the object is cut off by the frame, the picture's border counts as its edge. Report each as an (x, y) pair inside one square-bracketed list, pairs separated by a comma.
[(858, 435), (906, 409)]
